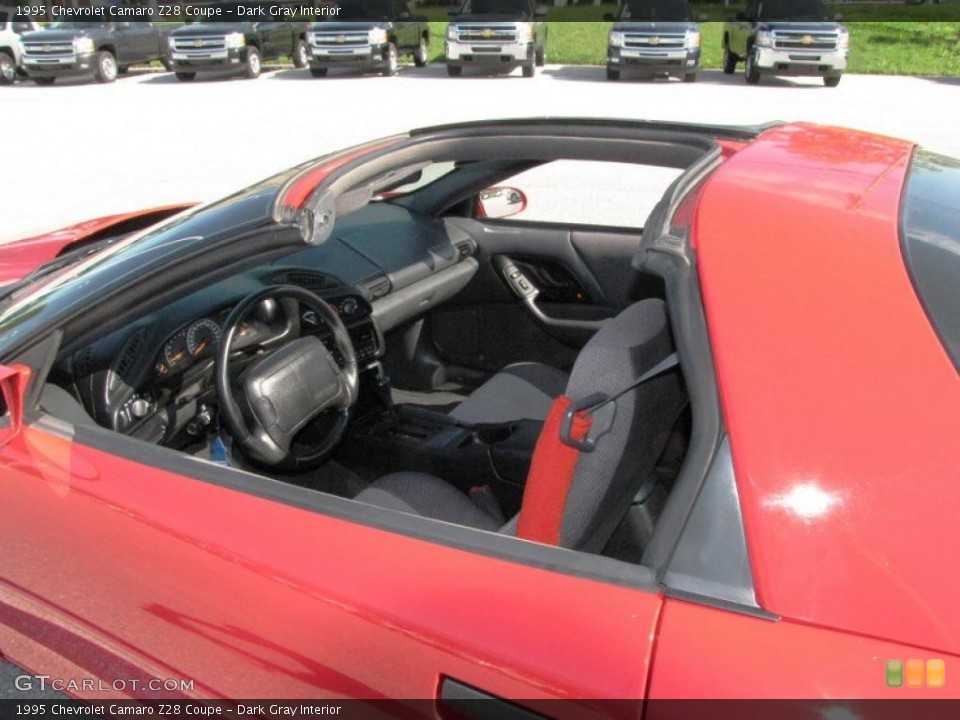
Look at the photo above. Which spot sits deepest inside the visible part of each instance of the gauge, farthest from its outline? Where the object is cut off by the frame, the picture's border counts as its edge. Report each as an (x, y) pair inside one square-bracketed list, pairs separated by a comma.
[(202, 336), (175, 351)]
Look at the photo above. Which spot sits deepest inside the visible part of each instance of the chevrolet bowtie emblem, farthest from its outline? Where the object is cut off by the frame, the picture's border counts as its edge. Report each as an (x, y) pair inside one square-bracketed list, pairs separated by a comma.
[(487, 33), (654, 41), (47, 48), (341, 39), (807, 39), (198, 43)]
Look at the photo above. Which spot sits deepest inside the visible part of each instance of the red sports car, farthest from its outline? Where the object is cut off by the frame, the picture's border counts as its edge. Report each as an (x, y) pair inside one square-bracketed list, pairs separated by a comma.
[(397, 424)]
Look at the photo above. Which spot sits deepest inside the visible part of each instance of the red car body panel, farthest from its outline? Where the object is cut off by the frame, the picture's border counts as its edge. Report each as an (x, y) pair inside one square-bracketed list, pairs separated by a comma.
[(19, 258), (186, 579), (842, 405)]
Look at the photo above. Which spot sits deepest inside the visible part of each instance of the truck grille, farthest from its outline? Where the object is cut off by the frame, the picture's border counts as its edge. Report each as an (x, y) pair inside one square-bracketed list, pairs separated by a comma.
[(486, 34), (339, 40), (796, 40), (653, 41), (203, 44), (57, 49)]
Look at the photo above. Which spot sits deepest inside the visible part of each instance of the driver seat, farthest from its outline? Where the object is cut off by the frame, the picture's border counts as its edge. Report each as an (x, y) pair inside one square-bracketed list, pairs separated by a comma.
[(590, 502)]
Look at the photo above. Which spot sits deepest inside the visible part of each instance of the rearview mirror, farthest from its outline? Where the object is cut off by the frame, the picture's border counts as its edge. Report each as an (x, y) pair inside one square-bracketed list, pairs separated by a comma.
[(13, 388), (501, 202)]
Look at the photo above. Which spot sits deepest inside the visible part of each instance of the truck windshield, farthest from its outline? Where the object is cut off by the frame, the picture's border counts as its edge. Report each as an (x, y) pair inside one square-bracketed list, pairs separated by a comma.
[(70, 25), (659, 10), (793, 10), (364, 10), (495, 7)]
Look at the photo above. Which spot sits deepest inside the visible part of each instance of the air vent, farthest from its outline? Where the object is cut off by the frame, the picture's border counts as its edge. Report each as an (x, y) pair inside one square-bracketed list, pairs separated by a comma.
[(309, 281), (128, 357), (377, 287), (465, 248)]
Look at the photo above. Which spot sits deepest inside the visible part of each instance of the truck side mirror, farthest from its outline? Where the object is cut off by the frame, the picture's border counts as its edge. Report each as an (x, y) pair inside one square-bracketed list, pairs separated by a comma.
[(540, 13), (703, 17), (404, 15), (838, 17), (453, 11), (609, 17), (501, 202), (13, 390)]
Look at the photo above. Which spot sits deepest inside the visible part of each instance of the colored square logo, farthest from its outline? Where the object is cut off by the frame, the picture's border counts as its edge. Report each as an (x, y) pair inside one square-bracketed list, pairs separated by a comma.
[(915, 673), (894, 673), (936, 673)]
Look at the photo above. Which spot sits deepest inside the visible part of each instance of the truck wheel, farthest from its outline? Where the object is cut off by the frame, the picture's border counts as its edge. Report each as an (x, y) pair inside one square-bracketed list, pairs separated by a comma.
[(390, 62), (454, 70), (422, 54), (167, 65), (613, 73), (45, 81), (318, 72), (8, 69), (690, 77), (729, 61), (832, 80), (301, 55), (750, 70), (540, 59), (107, 69), (530, 69), (186, 76), (123, 69), (251, 66)]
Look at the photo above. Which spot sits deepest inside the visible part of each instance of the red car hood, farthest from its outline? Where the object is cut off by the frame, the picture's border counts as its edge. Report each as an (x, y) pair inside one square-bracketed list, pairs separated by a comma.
[(21, 257)]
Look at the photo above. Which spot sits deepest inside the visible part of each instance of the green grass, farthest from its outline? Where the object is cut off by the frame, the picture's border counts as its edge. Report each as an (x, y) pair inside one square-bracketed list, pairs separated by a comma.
[(578, 36)]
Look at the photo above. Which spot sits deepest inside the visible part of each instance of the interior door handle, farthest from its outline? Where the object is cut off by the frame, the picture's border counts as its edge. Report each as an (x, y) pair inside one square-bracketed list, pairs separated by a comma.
[(457, 701), (527, 291)]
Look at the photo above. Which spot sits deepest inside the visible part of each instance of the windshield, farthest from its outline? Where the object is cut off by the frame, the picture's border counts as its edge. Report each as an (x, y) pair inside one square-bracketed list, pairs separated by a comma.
[(494, 7), (660, 10), (364, 10), (71, 25), (930, 238), (793, 10)]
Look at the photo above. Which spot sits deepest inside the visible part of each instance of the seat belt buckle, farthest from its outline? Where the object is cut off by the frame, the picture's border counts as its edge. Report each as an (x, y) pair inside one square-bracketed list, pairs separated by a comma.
[(601, 409)]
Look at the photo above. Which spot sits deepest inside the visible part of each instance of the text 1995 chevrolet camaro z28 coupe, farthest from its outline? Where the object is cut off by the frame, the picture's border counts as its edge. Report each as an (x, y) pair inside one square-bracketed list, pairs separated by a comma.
[(354, 432)]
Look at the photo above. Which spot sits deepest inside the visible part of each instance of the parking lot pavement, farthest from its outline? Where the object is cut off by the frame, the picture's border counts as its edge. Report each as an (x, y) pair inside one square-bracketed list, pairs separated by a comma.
[(78, 149)]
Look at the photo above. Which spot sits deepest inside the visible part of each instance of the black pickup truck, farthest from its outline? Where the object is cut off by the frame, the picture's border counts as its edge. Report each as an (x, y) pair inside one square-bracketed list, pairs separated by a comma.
[(235, 47), (369, 35), (102, 50)]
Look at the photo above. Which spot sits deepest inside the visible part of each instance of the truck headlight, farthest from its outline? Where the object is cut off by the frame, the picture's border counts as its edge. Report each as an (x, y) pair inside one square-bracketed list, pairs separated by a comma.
[(452, 32), (83, 45), (843, 42), (235, 40), (764, 38), (377, 36), (691, 40), (171, 42), (525, 33), (616, 38)]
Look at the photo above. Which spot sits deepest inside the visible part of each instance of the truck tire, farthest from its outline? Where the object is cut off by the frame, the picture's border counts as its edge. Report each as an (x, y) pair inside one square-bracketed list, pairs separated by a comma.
[(44, 81), (186, 76), (613, 73), (530, 69), (301, 54), (454, 70), (690, 77), (107, 69), (318, 72), (751, 73), (167, 65), (251, 64), (540, 58), (390, 62), (8, 68), (729, 61), (421, 56), (832, 80)]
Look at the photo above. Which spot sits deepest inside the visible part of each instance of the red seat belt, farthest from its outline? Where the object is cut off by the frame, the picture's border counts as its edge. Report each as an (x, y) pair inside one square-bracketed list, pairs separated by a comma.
[(551, 475)]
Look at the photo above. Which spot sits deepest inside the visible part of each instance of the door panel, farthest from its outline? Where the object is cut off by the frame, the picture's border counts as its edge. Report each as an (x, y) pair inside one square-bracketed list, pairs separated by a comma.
[(583, 275), (126, 570)]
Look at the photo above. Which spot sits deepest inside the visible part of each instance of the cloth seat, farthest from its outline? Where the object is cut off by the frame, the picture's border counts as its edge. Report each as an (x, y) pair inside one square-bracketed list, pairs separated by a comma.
[(523, 391), (603, 482)]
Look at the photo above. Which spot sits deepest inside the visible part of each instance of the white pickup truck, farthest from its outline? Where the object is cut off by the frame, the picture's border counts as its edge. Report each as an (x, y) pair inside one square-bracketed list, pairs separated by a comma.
[(11, 27)]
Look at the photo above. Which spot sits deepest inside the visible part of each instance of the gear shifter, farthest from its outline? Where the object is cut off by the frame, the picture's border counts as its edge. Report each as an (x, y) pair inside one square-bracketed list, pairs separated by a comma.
[(381, 387)]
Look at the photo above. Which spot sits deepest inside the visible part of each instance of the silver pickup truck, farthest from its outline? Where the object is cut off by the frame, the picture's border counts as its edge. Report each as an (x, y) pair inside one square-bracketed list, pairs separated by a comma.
[(12, 26), (654, 37), (786, 37), (496, 35)]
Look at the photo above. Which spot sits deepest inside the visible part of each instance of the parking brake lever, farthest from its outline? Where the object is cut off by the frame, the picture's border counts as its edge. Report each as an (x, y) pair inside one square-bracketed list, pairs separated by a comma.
[(525, 289)]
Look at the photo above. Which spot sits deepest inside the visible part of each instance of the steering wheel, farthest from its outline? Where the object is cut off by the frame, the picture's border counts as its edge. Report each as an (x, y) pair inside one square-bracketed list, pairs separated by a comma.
[(281, 392)]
